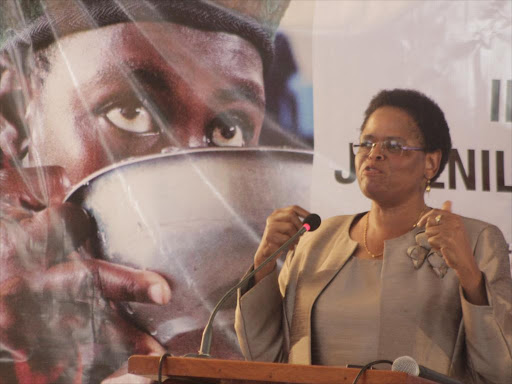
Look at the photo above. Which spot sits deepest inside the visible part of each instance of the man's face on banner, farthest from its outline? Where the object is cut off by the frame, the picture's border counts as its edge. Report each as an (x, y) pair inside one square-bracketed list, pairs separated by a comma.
[(133, 89)]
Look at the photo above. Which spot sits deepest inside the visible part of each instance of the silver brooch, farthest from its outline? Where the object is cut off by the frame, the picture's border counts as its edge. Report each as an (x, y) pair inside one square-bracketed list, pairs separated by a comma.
[(423, 251)]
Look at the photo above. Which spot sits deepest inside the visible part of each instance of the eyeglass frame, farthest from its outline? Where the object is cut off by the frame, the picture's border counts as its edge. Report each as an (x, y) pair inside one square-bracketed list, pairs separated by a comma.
[(386, 147)]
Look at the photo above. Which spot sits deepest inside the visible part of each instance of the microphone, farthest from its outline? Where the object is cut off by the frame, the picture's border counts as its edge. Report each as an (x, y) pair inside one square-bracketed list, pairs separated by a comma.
[(408, 365), (310, 223)]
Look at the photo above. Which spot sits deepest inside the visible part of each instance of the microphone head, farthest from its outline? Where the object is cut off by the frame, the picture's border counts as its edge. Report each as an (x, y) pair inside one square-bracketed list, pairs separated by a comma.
[(312, 222), (407, 365)]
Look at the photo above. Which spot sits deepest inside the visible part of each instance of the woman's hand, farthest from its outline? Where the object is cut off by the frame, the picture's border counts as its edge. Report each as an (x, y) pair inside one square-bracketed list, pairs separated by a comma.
[(447, 234), (282, 224)]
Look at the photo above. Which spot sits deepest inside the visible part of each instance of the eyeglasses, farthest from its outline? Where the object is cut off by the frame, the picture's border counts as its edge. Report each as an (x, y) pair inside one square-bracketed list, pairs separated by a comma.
[(392, 146)]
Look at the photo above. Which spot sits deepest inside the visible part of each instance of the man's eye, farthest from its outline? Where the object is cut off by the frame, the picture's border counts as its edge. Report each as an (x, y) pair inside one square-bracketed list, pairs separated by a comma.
[(228, 131), (131, 117), (366, 144)]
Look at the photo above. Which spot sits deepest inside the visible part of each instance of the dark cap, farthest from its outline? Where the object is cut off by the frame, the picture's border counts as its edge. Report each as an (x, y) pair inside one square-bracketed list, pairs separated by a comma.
[(41, 23)]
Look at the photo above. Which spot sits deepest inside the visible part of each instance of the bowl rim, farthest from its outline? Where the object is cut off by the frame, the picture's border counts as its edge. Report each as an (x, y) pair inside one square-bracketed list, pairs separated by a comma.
[(178, 152)]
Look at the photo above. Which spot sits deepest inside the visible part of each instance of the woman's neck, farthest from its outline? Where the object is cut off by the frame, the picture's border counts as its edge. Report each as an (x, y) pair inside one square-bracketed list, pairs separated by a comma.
[(393, 221)]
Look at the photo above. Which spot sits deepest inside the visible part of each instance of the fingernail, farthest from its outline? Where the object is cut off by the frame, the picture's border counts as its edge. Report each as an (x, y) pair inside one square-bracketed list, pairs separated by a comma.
[(159, 293)]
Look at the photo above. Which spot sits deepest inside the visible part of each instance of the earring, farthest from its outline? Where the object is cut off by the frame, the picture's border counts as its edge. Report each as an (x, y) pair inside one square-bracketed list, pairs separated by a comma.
[(428, 188)]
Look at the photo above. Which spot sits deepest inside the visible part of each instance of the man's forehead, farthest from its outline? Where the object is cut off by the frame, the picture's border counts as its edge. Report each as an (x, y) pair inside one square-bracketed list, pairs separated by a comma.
[(159, 47), (156, 57)]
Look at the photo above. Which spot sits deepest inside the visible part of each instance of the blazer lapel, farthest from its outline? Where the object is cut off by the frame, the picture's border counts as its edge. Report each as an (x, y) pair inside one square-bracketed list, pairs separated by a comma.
[(325, 261)]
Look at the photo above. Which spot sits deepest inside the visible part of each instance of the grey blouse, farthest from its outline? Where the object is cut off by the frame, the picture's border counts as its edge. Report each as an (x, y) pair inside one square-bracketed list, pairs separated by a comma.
[(348, 332)]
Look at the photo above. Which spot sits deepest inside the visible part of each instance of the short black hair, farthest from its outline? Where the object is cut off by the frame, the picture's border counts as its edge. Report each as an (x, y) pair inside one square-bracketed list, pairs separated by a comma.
[(427, 115)]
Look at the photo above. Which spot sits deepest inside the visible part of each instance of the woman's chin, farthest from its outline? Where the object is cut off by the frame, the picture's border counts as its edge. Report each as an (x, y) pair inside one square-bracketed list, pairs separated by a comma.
[(374, 191)]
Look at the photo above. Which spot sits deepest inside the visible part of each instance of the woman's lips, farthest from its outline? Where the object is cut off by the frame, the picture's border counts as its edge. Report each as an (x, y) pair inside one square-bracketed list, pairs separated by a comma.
[(370, 171)]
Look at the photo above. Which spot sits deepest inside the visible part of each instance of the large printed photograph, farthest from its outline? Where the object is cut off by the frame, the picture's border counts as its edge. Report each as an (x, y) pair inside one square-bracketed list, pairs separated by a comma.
[(143, 144)]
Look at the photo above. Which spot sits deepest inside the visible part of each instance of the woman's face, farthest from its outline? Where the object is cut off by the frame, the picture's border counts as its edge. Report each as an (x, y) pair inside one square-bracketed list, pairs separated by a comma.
[(393, 178)]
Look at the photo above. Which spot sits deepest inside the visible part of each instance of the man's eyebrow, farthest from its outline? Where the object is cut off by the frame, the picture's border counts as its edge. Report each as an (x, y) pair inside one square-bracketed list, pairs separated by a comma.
[(244, 90), (133, 74), (152, 78)]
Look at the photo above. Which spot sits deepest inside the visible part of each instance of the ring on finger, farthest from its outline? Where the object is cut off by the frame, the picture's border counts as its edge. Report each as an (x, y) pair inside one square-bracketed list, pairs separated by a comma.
[(438, 219)]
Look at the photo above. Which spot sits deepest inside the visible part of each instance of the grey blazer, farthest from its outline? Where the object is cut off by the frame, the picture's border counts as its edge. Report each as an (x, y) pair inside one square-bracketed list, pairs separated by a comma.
[(422, 315)]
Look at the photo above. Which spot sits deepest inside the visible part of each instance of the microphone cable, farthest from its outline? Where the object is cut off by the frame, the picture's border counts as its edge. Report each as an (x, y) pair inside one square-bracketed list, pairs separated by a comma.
[(160, 364), (365, 368)]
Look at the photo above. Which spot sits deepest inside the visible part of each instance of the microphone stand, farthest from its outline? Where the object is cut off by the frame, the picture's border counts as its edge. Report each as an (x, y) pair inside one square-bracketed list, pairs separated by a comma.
[(206, 341)]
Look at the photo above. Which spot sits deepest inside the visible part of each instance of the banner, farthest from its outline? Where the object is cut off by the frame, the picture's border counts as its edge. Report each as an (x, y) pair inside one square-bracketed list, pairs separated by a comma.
[(456, 52)]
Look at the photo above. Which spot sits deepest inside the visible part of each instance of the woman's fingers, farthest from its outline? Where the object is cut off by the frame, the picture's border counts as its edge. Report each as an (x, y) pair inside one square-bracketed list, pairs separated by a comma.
[(282, 225), (300, 212), (277, 239), (436, 241), (284, 228), (446, 233), (291, 214), (435, 216), (447, 206)]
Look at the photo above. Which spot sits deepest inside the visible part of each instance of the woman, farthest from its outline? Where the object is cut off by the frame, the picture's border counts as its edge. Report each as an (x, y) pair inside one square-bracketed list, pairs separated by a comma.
[(401, 279)]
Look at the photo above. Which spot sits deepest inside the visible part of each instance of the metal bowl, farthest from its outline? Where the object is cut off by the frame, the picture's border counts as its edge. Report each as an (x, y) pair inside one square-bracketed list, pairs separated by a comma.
[(196, 217)]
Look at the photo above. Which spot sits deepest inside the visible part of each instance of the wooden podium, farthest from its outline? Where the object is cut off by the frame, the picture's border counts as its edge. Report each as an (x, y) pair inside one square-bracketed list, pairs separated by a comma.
[(198, 370)]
